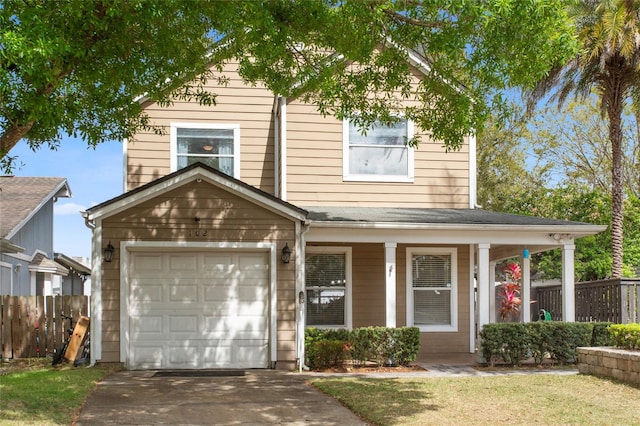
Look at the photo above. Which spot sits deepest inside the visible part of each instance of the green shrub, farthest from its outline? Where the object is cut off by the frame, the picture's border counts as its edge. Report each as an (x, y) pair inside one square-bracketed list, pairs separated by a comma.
[(327, 353), (381, 345), (566, 337), (407, 350), (506, 341), (540, 340), (601, 335), (626, 336), (514, 342), (492, 342)]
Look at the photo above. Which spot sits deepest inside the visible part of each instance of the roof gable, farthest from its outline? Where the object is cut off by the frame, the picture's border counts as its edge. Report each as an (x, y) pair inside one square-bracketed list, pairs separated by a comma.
[(22, 197), (194, 172)]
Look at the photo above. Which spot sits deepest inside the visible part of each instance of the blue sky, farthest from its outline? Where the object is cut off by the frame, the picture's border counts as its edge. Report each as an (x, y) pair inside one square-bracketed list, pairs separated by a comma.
[(94, 176)]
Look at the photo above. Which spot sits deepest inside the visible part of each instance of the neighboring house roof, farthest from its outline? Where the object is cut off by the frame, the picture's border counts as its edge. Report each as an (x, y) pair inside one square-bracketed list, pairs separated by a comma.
[(72, 264), (41, 263), (22, 197), (7, 246), (371, 217), (193, 172)]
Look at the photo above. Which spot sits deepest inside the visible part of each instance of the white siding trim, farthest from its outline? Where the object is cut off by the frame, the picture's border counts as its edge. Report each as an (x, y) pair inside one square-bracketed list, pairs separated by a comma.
[(173, 137), (96, 293), (473, 170), (275, 114), (453, 252), (125, 162), (126, 247), (347, 251), (472, 300), (390, 283), (283, 149)]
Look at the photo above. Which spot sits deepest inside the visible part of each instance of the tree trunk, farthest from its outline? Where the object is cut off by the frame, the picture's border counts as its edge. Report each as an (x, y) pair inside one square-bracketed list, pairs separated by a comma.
[(12, 136), (614, 111)]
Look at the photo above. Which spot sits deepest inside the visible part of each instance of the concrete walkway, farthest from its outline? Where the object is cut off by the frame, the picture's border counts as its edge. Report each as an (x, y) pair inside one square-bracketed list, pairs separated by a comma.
[(256, 398)]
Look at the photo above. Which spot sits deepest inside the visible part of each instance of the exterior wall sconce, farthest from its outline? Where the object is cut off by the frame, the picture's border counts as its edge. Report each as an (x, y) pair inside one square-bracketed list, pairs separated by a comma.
[(286, 253), (108, 252)]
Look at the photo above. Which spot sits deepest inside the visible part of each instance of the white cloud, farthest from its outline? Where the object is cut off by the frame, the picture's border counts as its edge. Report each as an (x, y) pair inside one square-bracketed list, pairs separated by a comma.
[(68, 209)]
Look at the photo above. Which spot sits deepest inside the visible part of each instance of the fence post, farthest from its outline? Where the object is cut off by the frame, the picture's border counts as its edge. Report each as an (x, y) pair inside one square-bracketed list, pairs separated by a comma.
[(7, 343), (624, 303)]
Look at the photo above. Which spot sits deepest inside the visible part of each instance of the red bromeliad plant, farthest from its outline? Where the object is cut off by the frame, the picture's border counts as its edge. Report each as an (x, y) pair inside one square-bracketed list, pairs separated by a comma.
[(509, 292)]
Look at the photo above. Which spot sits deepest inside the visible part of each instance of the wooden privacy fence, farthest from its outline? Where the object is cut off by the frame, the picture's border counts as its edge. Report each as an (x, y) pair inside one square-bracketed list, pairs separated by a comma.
[(616, 301), (32, 326)]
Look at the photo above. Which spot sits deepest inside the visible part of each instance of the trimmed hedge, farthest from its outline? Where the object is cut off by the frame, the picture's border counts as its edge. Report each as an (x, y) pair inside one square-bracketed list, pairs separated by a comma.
[(513, 343), (381, 345), (626, 336)]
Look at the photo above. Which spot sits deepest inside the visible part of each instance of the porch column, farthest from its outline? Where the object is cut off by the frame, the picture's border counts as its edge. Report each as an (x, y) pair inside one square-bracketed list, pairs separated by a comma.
[(568, 283), (483, 285), (526, 286), (492, 291), (390, 283)]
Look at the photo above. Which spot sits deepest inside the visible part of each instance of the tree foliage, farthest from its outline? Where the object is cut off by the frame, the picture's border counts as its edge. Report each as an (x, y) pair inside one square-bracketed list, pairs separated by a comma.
[(573, 143), (607, 63), (79, 67), (565, 176)]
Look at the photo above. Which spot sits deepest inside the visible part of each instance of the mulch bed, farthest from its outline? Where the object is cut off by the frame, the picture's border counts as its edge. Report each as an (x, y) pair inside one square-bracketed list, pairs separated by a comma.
[(372, 369)]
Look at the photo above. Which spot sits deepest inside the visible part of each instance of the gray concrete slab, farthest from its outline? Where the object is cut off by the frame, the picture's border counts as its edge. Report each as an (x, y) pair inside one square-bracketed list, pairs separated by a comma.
[(257, 398)]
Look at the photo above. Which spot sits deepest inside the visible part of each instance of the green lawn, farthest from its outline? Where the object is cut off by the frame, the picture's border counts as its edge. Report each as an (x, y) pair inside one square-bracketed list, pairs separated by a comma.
[(497, 400), (42, 395)]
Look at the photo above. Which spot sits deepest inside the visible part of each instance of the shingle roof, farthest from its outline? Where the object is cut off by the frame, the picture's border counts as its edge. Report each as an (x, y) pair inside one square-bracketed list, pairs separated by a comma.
[(42, 263), (22, 197), (428, 216)]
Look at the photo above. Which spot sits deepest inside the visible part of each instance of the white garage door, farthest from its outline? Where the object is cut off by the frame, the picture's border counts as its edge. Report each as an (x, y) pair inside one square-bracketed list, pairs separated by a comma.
[(198, 310)]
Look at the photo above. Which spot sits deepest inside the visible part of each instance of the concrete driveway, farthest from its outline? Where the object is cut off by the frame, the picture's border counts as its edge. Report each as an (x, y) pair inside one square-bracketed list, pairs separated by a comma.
[(258, 397)]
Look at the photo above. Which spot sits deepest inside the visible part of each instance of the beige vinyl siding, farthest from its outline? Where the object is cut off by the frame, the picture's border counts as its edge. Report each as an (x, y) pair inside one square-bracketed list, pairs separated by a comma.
[(148, 154), (369, 304), (315, 172), (170, 217)]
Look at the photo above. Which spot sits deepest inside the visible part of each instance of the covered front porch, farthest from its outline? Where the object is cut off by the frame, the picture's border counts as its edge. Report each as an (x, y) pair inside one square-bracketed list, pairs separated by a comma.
[(473, 241)]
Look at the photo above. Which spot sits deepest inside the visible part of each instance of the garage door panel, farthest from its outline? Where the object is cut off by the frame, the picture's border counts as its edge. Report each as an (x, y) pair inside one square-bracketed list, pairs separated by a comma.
[(199, 310), (146, 263), (148, 293), (183, 355), (148, 324), (183, 324), (148, 356), (183, 293), (183, 263)]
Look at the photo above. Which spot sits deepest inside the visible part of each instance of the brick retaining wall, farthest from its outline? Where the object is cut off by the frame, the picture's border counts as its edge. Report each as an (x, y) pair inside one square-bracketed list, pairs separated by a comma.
[(620, 364)]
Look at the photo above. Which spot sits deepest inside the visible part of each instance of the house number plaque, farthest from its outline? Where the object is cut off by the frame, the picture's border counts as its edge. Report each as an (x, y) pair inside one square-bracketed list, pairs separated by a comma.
[(198, 233)]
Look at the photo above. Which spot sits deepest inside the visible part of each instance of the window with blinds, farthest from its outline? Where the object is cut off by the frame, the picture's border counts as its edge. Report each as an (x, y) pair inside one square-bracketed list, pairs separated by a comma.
[(432, 290), (326, 282)]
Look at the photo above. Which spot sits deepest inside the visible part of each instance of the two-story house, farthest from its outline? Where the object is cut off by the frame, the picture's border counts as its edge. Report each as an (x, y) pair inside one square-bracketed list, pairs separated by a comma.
[(27, 260), (248, 221)]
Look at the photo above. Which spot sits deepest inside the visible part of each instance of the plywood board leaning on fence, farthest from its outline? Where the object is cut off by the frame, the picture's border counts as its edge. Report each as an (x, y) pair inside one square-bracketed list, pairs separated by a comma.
[(75, 343)]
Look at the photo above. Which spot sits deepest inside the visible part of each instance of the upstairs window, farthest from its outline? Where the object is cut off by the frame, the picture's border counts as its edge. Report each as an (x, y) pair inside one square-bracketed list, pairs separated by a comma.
[(216, 145), (378, 154)]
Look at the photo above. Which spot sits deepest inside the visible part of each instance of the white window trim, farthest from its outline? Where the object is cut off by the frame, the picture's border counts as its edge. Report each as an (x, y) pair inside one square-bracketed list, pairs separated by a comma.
[(453, 252), (348, 177), (347, 251), (236, 142)]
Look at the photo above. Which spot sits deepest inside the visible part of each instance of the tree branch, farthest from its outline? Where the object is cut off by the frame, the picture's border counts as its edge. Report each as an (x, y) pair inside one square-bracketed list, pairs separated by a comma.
[(13, 134)]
